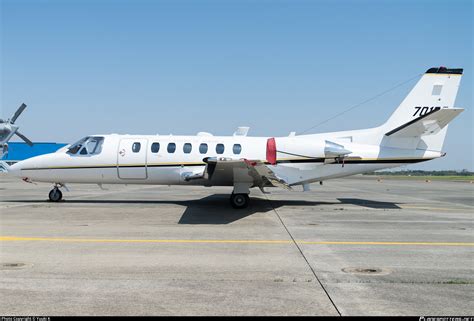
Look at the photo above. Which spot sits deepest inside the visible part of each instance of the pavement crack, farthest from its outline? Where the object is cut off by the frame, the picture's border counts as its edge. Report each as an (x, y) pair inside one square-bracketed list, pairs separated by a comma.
[(302, 254)]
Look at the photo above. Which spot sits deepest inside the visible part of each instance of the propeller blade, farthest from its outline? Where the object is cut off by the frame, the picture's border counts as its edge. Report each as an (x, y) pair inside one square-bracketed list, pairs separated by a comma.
[(18, 112), (29, 142)]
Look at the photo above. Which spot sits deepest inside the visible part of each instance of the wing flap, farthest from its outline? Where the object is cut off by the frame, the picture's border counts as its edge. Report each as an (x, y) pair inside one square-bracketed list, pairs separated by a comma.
[(267, 174), (239, 170)]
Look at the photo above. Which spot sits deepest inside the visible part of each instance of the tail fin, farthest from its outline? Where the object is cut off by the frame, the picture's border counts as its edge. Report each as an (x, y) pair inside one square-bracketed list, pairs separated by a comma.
[(437, 89)]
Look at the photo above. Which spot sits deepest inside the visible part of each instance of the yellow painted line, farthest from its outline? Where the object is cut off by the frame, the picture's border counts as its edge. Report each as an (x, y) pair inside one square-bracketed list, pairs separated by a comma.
[(386, 158), (59, 239), (433, 208), (176, 163), (388, 243), (78, 240), (359, 158)]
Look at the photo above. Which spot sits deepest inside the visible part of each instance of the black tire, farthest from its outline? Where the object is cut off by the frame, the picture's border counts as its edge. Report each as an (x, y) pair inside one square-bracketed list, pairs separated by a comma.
[(55, 195), (239, 200)]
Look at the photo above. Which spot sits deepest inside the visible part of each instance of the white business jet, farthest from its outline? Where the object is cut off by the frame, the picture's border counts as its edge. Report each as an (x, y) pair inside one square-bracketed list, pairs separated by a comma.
[(414, 133)]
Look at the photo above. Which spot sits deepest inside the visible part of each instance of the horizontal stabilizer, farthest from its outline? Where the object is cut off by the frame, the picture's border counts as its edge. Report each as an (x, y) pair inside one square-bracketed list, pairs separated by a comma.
[(428, 124)]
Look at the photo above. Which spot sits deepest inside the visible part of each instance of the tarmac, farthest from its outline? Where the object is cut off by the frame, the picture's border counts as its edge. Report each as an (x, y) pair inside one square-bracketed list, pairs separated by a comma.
[(354, 246)]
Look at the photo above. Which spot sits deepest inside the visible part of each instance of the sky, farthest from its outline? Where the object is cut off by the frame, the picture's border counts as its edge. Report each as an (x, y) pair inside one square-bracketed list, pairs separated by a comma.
[(147, 67)]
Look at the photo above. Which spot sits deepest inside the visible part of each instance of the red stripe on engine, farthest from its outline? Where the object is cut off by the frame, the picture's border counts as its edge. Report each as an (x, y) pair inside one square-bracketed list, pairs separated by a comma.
[(271, 151)]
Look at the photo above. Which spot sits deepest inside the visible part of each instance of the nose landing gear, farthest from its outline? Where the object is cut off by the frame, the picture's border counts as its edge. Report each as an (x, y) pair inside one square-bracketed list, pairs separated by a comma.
[(55, 195)]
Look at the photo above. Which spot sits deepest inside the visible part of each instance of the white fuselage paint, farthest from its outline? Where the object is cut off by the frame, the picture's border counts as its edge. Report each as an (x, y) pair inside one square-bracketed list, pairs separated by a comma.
[(301, 162), (415, 132)]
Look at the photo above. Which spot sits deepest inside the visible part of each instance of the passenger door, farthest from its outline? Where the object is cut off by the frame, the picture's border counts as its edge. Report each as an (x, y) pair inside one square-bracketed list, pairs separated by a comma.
[(131, 158)]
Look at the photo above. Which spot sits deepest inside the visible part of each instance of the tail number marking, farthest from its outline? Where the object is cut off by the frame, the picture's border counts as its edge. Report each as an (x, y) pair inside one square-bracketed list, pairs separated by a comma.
[(421, 111)]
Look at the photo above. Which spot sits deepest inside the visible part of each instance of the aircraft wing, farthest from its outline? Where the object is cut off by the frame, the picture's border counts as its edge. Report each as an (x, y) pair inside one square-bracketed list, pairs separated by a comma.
[(239, 170), (267, 175), (428, 124)]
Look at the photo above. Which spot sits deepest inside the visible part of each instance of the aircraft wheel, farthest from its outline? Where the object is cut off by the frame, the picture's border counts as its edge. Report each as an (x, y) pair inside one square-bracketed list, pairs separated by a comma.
[(55, 195), (239, 200)]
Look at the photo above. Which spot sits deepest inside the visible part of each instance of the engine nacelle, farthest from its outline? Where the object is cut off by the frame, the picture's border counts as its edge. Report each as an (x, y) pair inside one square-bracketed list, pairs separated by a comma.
[(285, 148)]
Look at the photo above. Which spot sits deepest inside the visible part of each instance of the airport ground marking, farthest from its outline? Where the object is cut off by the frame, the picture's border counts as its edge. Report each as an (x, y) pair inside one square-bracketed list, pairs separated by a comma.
[(432, 208), (6, 205), (460, 206), (171, 241)]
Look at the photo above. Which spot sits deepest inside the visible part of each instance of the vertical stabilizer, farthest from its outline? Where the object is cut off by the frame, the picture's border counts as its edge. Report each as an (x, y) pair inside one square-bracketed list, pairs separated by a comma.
[(437, 89)]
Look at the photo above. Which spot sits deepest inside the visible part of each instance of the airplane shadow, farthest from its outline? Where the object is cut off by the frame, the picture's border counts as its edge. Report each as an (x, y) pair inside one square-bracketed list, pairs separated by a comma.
[(215, 209), (369, 203)]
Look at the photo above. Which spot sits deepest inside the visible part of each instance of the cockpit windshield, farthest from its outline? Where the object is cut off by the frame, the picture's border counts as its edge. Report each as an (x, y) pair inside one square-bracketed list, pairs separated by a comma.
[(90, 145)]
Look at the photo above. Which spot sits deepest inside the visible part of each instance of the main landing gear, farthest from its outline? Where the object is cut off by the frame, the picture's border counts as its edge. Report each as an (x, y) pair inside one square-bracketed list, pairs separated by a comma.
[(240, 195), (55, 195), (239, 200)]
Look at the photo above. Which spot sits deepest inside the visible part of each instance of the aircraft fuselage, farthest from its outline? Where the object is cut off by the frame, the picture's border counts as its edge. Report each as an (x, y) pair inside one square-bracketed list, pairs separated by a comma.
[(128, 159)]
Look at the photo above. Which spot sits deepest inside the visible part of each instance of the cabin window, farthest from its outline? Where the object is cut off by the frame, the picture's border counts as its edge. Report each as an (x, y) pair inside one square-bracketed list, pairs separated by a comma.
[(187, 148), (94, 145), (90, 145), (203, 148), (74, 148), (220, 148), (171, 148), (136, 147), (237, 149), (155, 147)]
